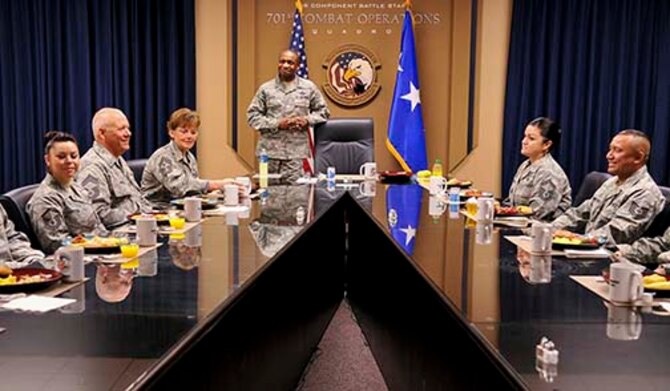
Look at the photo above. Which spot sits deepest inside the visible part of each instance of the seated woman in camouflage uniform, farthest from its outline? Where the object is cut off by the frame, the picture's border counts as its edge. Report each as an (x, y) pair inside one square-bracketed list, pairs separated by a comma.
[(540, 182), (172, 171), (61, 207)]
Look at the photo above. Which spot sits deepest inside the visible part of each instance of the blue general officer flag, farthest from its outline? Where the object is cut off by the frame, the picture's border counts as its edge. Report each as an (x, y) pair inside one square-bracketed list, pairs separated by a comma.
[(406, 135), (403, 210), (297, 43)]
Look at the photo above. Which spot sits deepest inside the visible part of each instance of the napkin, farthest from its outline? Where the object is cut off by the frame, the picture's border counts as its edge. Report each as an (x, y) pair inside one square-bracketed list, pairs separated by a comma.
[(597, 253), (35, 303)]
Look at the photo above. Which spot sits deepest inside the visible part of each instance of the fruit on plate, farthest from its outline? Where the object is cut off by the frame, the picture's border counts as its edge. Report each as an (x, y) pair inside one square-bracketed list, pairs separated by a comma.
[(652, 279), (5, 271), (514, 210), (564, 240), (659, 286), (423, 174), (524, 210)]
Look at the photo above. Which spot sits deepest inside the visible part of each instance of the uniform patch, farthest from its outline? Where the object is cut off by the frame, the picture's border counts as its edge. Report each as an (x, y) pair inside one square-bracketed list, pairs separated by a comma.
[(638, 211), (165, 166), (52, 219), (92, 186), (547, 190)]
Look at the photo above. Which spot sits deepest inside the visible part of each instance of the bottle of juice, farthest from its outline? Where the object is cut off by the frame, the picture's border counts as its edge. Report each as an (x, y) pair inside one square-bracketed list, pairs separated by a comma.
[(437, 168)]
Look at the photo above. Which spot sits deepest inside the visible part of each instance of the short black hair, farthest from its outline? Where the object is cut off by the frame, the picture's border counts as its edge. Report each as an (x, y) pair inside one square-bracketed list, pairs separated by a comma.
[(549, 129), (55, 136)]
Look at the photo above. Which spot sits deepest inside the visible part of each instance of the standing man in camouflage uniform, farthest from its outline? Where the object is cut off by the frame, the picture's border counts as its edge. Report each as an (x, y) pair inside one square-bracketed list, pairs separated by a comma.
[(105, 174), (15, 248), (625, 205), (282, 111)]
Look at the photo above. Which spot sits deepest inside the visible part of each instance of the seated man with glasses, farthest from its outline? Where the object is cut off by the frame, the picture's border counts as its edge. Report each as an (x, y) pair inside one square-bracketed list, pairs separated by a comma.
[(172, 171)]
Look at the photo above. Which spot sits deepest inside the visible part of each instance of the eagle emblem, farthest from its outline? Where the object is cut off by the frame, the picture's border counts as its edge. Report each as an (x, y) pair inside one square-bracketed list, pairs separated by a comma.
[(351, 75)]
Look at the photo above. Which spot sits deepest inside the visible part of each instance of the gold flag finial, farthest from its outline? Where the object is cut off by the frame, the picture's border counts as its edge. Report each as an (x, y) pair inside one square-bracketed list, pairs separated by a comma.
[(298, 6), (407, 4)]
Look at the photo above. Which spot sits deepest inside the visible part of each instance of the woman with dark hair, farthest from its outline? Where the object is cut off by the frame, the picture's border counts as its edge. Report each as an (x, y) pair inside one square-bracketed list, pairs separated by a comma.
[(60, 207), (172, 171), (540, 182)]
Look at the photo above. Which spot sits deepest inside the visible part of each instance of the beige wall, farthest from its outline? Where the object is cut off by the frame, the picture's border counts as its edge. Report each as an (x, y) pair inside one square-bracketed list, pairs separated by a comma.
[(213, 93), (484, 164)]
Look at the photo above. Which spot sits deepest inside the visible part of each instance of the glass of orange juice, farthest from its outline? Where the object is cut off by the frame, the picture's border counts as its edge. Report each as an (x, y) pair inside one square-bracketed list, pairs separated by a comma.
[(130, 250), (471, 206), (177, 222)]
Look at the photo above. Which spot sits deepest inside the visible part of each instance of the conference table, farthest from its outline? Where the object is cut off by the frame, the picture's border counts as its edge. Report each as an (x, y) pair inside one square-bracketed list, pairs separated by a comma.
[(242, 300)]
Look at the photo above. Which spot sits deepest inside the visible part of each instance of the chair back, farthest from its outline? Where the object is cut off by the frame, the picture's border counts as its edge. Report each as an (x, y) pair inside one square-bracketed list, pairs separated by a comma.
[(592, 181), (344, 143), (137, 166), (662, 220), (14, 202)]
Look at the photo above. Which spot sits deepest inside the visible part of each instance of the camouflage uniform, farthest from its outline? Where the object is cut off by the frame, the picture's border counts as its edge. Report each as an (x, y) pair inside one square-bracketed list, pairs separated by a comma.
[(15, 248), (111, 186), (543, 186), (618, 211), (275, 100), (647, 250), (170, 174), (282, 217), (57, 212)]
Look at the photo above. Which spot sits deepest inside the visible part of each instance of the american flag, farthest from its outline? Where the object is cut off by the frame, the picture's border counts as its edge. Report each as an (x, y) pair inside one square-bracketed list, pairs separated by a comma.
[(297, 44)]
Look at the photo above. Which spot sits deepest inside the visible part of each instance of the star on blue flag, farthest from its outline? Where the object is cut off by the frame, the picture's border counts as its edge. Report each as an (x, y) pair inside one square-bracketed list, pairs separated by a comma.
[(298, 44), (403, 207), (406, 135)]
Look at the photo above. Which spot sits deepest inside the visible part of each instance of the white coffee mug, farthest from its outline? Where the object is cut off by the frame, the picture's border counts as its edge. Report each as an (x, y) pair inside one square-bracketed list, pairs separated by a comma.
[(625, 283), (541, 234), (436, 206), (437, 185), (193, 237), (484, 233), (540, 269), (69, 261), (623, 323), (368, 170), (79, 294), (147, 231), (485, 209), (148, 263), (368, 188), (230, 192), (246, 182), (193, 209), (232, 218), (246, 211)]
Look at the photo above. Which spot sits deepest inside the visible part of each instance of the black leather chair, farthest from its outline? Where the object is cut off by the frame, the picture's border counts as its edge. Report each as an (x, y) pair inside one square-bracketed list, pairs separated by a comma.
[(137, 165), (662, 220), (14, 202), (591, 182), (344, 143)]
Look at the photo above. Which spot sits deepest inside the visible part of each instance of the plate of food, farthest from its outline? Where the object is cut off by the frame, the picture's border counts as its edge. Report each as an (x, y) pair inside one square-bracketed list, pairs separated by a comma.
[(510, 211), (657, 284), (27, 279), (98, 245), (577, 242), (207, 203), (453, 182), (470, 193), (162, 218)]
